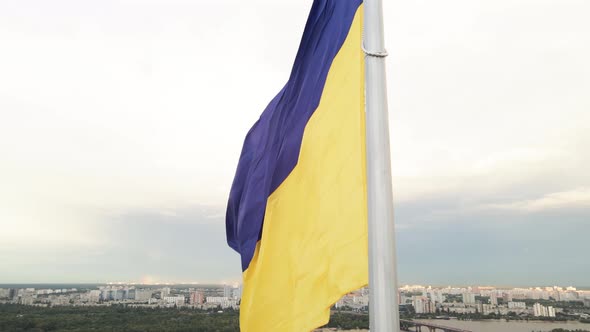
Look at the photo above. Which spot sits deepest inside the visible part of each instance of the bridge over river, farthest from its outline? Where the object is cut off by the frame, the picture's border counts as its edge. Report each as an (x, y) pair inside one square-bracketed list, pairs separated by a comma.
[(410, 325)]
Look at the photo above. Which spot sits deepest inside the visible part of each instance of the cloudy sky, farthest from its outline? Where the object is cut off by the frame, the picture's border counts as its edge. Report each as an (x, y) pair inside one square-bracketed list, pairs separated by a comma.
[(121, 124)]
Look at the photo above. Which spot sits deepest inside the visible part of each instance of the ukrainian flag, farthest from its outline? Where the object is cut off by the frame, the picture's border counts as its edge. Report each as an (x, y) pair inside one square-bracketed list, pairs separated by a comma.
[(297, 210)]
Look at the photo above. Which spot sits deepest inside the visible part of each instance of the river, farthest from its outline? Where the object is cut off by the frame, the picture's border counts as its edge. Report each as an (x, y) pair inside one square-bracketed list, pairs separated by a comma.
[(511, 326)]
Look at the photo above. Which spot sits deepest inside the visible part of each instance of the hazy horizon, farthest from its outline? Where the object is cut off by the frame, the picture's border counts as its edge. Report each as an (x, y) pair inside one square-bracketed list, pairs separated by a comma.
[(47, 285), (122, 123)]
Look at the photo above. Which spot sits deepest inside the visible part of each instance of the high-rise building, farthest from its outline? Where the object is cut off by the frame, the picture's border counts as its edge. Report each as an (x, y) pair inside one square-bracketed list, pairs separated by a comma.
[(143, 294), (436, 295), (551, 311), (224, 302), (196, 298), (237, 292), (130, 293), (516, 305), (543, 311), (165, 292), (493, 298), (176, 300), (94, 296), (118, 294), (468, 298), (27, 300), (488, 309), (105, 294), (479, 307), (423, 305), (227, 291), (537, 310)]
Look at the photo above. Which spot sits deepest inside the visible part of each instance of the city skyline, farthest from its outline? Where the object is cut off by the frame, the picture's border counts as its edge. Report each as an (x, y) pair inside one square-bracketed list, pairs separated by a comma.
[(122, 123), (403, 286), (424, 299), (443, 307)]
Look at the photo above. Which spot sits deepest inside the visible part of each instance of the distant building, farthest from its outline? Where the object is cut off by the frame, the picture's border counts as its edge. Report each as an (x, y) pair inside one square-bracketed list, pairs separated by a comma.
[(143, 295), (4, 292), (543, 311), (355, 300), (479, 307), (118, 295), (237, 292), (551, 311), (104, 295), (516, 305), (93, 296), (165, 292), (227, 291), (493, 298), (176, 300), (217, 299), (488, 309), (196, 298), (12, 293), (468, 298), (423, 305), (436, 296), (222, 301), (27, 301), (570, 296)]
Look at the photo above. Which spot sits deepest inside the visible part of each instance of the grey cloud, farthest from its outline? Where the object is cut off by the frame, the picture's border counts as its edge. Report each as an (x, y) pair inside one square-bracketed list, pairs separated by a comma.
[(184, 246), (495, 247)]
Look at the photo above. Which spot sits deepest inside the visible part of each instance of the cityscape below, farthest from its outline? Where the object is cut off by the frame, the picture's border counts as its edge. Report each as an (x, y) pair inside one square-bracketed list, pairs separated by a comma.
[(553, 303)]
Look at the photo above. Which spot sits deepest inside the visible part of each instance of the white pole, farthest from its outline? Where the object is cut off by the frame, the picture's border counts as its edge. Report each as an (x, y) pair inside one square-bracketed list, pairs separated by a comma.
[(384, 314)]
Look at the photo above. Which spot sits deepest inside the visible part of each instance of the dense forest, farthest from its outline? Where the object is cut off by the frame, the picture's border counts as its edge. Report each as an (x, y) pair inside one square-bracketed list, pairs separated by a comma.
[(114, 318), (118, 319)]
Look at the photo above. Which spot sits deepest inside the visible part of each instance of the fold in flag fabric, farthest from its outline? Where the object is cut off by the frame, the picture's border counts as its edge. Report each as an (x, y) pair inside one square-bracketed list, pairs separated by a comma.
[(297, 211)]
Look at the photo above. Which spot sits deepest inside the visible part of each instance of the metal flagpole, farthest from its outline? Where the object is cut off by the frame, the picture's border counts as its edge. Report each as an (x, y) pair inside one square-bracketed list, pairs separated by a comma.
[(384, 314)]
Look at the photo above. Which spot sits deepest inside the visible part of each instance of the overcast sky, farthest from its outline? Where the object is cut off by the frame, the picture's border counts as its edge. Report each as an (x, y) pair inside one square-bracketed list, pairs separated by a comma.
[(121, 124)]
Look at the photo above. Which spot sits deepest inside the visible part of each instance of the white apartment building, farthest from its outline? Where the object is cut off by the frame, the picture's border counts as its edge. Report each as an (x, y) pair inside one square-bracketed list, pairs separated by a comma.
[(543, 311), (469, 298), (143, 294), (177, 300), (436, 296), (493, 298), (488, 309), (222, 301), (516, 305), (422, 305)]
